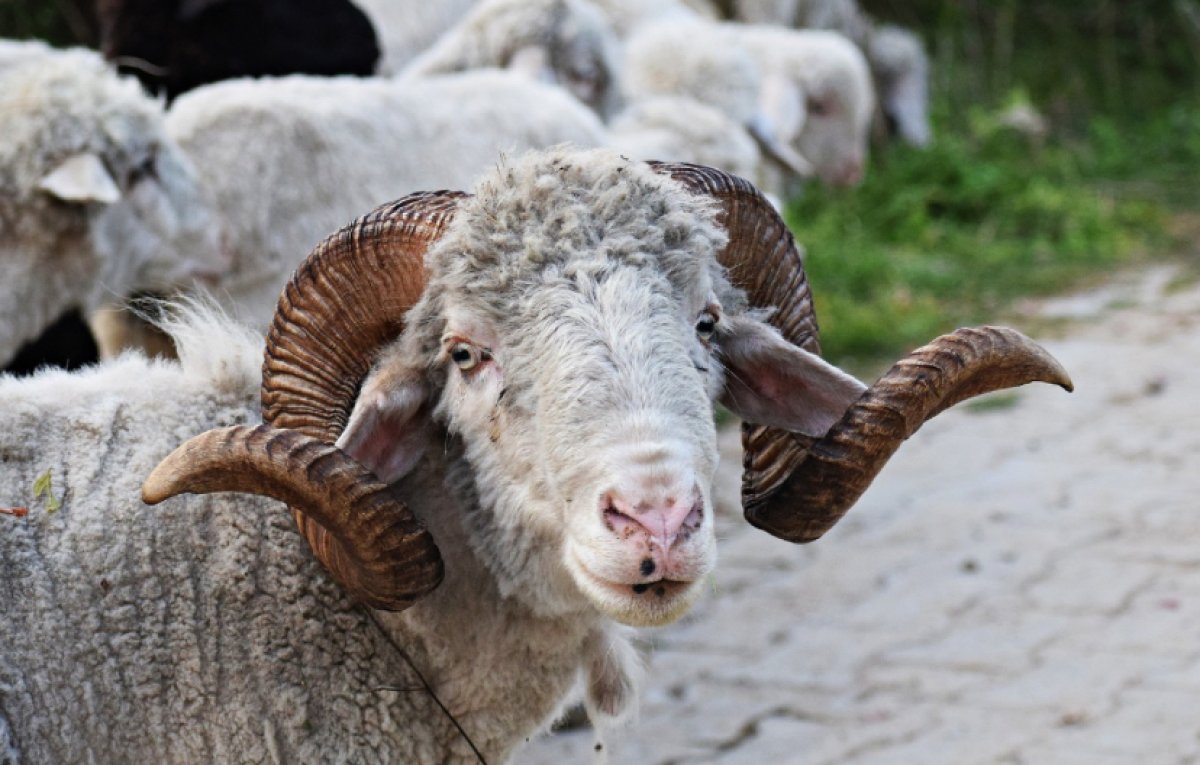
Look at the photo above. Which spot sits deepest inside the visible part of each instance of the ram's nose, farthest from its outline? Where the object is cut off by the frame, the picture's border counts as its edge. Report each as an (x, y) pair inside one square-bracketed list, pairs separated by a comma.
[(662, 517)]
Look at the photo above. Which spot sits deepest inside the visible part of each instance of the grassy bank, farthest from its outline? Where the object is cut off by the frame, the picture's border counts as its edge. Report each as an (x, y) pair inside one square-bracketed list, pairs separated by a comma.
[(958, 232), (955, 233)]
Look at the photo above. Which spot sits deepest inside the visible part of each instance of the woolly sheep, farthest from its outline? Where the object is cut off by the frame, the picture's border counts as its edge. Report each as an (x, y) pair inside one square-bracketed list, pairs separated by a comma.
[(805, 94), (288, 160), (278, 163), (175, 45), (681, 129), (531, 370), (897, 56), (96, 201), (627, 16), (565, 42), (901, 70)]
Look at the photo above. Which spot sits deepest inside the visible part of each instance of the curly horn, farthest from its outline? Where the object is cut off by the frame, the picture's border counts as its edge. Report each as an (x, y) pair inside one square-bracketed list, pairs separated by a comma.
[(796, 488), (841, 465), (344, 303), (380, 552)]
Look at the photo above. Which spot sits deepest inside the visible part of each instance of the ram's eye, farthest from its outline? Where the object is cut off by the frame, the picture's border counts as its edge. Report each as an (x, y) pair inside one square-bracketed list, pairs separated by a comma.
[(706, 325), (465, 356), (820, 107)]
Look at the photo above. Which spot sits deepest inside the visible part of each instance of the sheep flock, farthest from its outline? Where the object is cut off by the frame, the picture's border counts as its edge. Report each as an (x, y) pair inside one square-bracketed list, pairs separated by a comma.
[(410, 318)]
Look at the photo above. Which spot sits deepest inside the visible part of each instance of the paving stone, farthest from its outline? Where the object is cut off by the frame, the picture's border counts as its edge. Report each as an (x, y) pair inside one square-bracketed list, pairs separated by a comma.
[(1064, 682), (960, 736), (1083, 582), (1007, 646)]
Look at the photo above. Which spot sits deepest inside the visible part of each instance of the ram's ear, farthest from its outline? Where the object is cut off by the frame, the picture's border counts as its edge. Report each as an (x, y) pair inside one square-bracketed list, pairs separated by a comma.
[(769, 381), (779, 119), (388, 427), (781, 106), (81, 178)]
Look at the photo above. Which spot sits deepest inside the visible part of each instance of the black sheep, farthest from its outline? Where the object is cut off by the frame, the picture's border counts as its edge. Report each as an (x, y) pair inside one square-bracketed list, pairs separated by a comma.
[(175, 45)]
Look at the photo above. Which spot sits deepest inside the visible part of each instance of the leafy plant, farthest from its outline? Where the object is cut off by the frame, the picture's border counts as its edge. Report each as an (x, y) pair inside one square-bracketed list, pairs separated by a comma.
[(43, 487)]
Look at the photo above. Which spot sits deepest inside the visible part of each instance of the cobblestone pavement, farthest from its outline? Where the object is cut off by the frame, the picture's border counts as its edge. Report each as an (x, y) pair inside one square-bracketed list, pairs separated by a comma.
[(1020, 586)]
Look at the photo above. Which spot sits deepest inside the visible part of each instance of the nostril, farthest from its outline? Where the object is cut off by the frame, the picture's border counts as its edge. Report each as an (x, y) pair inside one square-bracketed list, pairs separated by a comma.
[(620, 524), (663, 522)]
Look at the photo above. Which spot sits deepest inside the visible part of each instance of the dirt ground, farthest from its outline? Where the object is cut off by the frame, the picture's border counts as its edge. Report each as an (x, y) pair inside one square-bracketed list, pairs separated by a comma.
[(1020, 586)]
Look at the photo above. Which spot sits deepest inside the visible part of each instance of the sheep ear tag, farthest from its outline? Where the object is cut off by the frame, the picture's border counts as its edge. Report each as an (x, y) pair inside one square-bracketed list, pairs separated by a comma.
[(81, 178)]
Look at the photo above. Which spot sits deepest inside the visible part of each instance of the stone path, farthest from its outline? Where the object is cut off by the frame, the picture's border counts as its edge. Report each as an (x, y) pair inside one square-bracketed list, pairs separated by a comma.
[(1020, 586)]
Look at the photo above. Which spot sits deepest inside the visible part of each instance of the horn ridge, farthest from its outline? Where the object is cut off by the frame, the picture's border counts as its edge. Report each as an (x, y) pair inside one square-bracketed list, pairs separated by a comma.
[(340, 308), (344, 303)]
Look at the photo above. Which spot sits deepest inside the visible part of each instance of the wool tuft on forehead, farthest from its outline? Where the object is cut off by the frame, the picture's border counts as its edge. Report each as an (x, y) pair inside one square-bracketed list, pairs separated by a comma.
[(567, 212)]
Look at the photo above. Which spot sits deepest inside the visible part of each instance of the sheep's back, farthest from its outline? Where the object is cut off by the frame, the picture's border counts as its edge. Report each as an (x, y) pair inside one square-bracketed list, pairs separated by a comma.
[(200, 630)]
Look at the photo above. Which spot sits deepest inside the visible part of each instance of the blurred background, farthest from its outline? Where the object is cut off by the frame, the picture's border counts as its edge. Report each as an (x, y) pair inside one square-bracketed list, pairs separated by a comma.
[(1066, 143)]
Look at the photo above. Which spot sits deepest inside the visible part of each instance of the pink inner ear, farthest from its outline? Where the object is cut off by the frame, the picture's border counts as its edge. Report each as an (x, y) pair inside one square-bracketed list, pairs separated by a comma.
[(387, 449), (772, 382), (387, 431)]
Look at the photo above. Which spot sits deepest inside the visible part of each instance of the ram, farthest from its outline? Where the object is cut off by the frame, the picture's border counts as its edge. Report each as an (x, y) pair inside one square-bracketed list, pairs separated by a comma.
[(492, 418)]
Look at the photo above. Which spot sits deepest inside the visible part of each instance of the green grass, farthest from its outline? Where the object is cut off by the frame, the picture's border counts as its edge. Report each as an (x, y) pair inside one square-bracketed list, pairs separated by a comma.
[(954, 234)]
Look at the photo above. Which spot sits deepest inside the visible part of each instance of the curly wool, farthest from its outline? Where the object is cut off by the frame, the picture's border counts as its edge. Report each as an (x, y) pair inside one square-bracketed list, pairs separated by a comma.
[(203, 630), (553, 215)]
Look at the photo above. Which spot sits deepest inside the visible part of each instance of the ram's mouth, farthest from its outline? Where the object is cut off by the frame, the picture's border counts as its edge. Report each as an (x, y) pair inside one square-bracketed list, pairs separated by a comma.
[(661, 589), (643, 603), (657, 588)]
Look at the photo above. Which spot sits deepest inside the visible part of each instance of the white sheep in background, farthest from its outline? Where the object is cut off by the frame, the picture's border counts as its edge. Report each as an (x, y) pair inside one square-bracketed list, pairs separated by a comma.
[(278, 163), (897, 56), (626, 16), (96, 201), (564, 42), (288, 160), (901, 69), (806, 95), (407, 27), (681, 129), (531, 370)]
